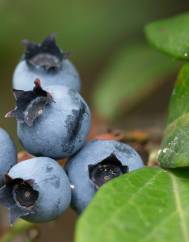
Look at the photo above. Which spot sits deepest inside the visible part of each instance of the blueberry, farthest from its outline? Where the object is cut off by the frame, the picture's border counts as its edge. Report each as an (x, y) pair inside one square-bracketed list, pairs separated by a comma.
[(37, 190), (46, 62), (53, 122), (95, 164), (8, 154)]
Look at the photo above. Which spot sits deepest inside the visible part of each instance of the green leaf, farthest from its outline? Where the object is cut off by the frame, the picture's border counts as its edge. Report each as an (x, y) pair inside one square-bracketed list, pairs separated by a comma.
[(147, 205), (133, 74), (171, 36), (175, 146)]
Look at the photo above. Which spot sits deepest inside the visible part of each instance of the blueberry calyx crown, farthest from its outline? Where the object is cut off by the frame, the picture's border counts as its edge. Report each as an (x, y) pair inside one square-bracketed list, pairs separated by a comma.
[(45, 54), (106, 170), (30, 104), (19, 197)]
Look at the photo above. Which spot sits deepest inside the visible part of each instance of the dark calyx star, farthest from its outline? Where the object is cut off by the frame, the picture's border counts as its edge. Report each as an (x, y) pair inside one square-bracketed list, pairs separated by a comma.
[(19, 197), (45, 54), (106, 170), (30, 104)]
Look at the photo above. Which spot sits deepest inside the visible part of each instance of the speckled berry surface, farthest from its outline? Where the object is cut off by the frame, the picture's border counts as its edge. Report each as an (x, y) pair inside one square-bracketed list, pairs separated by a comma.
[(62, 128), (8, 154), (52, 184), (92, 153)]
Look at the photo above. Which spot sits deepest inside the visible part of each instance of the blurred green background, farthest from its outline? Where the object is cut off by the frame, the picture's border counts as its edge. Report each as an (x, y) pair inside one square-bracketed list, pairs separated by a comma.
[(125, 81)]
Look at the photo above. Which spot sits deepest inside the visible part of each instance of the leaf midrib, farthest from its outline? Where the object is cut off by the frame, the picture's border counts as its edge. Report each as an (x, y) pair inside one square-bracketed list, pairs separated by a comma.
[(179, 208), (100, 230)]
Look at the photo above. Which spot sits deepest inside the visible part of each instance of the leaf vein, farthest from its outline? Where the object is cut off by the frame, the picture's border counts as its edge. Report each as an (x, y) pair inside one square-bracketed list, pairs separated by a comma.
[(180, 210), (149, 181)]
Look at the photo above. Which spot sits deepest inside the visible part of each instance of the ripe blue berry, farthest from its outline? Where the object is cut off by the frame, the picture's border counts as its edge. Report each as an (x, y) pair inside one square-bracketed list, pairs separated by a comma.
[(8, 154), (37, 190), (98, 162), (46, 62), (53, 122)]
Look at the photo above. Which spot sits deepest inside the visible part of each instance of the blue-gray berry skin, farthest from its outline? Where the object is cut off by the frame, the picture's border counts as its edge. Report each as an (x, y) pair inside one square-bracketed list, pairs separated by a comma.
[(61, 129), (8, 154), (24, 76), (92, 154), (47, 62), (48, 197)]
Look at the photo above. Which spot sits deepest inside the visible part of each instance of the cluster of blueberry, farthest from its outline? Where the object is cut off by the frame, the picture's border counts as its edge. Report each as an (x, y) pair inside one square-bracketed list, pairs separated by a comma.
[(53, 122)]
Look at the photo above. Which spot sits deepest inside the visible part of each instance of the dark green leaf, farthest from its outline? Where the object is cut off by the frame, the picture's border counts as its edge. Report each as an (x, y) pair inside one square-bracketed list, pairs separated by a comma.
[(133, 74), (148, 205), (171, 36), (175, 145)]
